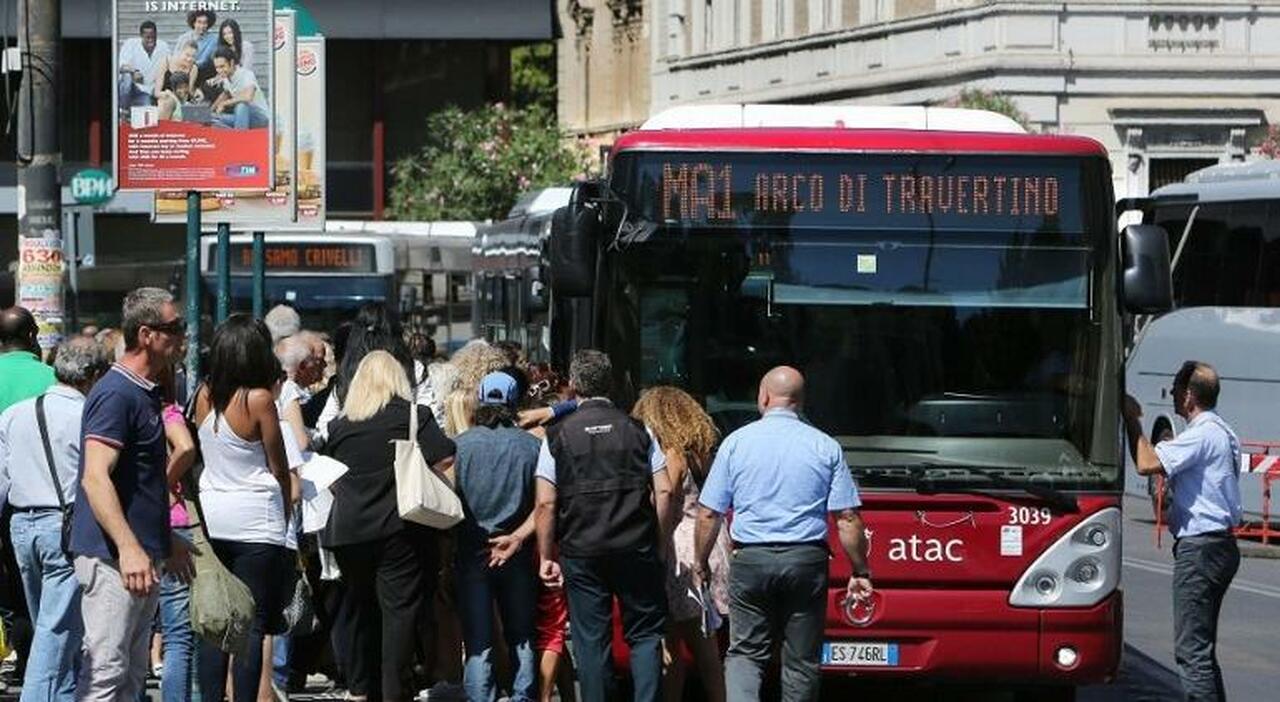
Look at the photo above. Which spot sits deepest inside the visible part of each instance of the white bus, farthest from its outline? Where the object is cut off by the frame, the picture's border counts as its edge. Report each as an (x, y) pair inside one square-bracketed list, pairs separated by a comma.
[(1224, 229)]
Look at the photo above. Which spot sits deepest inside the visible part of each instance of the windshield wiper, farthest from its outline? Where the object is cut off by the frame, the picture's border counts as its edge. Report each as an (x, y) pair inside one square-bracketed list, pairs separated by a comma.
[(926, 484)]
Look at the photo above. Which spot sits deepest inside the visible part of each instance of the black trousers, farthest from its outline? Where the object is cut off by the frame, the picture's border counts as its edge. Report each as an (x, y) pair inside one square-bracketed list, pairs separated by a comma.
[(388, 582), (268, 571)]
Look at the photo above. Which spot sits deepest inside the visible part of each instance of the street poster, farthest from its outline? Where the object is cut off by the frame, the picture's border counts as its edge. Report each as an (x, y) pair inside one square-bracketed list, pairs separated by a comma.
[(40, 267), (255, 209), (194, 89)]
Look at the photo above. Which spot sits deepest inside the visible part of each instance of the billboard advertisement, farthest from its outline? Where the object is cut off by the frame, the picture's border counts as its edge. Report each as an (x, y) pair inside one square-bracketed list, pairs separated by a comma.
[(311, 129), (194, 89), (255, 209)]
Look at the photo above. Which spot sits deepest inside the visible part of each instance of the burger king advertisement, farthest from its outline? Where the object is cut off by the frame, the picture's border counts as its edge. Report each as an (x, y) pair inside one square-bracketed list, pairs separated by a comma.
[(262, 208)]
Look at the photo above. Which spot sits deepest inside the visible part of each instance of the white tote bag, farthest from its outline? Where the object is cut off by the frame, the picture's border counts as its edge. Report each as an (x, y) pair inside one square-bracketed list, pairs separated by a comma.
[(422, 495)]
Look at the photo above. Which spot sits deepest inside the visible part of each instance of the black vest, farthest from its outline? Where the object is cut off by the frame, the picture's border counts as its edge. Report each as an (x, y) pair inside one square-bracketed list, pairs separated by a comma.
[(603, 482)]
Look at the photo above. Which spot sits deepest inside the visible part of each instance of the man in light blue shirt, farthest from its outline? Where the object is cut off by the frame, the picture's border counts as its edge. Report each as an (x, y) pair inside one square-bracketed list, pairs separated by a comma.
[(1202, 468), (781, 477), (27, 484)]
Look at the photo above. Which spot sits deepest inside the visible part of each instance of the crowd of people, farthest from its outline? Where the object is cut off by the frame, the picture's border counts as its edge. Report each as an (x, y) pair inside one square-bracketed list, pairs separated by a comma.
[(574, 514), (579, 523)]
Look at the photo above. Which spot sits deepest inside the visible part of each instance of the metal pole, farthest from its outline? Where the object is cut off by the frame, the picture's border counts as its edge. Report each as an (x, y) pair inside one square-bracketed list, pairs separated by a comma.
[(224, 272), (193, 292), (259, 275), (40, 268)]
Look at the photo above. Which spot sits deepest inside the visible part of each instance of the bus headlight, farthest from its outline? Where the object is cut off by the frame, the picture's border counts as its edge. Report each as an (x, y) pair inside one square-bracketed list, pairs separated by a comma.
[(1078, 570)]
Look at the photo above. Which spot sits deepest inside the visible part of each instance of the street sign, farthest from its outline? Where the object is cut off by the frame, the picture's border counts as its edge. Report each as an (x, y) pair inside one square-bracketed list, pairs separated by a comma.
[(92, 187)]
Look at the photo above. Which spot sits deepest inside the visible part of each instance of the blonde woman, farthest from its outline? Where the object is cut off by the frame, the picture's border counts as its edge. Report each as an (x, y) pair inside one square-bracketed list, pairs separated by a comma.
[(688, 437), (459, 410), (474, 361), (387, 563)]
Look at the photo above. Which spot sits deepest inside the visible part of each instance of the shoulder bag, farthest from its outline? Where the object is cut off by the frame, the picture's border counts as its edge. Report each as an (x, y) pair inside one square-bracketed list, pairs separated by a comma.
[(422, 496), (63, 507)]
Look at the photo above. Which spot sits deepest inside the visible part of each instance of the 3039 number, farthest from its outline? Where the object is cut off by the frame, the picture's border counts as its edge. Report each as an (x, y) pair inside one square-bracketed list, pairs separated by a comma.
[(1030, 516)]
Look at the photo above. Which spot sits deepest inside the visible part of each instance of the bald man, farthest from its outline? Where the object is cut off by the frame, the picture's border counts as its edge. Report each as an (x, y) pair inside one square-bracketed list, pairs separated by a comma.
[(1201, 466), (781, 477), (22, 375)]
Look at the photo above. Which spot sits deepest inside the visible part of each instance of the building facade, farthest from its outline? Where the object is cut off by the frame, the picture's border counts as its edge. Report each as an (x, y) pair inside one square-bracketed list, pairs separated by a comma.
[(604, 64), (1167, 87)]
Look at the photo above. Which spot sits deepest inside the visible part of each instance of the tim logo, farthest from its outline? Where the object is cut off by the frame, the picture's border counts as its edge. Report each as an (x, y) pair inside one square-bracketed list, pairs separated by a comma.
[(241, 170), (599, 429)]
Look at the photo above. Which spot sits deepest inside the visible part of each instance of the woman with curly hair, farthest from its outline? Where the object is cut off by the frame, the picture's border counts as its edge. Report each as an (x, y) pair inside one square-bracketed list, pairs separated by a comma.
[(476, 359), (688, 437)]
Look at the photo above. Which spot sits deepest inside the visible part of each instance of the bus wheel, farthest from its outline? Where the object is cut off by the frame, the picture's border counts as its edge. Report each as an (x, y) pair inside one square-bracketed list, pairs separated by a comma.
[(1047, 693)]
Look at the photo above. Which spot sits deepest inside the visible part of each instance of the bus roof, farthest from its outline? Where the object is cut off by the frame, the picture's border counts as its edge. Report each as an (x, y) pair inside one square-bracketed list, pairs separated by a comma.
[(1226, 182), (746, 115), (844, 128)]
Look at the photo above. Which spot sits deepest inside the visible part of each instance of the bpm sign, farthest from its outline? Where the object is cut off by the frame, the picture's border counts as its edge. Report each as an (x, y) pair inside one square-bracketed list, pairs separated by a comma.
[(92, 187)]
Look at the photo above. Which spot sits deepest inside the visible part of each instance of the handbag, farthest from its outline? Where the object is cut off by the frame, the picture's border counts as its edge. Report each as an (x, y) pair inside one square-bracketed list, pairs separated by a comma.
[(222, 607), (63, 507), (300, 614), (422, 496)]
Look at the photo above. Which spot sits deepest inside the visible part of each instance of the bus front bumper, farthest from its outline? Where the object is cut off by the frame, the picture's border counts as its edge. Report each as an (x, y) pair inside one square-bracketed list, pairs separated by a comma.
[(974, 635)]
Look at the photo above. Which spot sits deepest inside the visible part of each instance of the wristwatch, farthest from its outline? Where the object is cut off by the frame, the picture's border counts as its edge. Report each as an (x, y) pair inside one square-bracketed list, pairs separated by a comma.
[(865, 574)]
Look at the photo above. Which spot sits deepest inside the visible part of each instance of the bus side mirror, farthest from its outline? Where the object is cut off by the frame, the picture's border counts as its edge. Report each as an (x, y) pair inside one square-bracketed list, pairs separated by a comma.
[(575, 236), (1147, 282)]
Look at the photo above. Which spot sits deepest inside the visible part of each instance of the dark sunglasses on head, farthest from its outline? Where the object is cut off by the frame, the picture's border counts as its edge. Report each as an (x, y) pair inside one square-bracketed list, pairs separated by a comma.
[(175, 326)]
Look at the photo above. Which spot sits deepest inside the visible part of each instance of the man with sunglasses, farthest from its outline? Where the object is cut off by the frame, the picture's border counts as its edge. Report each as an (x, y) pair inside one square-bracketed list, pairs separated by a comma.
[(1202, 467), (120, 533)]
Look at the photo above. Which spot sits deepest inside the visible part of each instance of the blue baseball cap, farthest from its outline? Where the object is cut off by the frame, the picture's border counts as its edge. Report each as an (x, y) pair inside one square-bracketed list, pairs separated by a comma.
[(498, 388)]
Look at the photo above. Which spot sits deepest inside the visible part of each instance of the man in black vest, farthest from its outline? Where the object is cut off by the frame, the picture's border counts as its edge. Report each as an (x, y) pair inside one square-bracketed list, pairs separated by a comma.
[(602, 511)]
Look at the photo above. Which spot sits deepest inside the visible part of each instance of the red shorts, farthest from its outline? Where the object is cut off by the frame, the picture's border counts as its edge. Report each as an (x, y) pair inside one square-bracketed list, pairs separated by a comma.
[(552, 621)]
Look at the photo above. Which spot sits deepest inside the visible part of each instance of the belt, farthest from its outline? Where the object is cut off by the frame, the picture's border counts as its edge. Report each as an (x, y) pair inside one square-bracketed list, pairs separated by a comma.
[(1219, 534), (780, 544), (29, 510)]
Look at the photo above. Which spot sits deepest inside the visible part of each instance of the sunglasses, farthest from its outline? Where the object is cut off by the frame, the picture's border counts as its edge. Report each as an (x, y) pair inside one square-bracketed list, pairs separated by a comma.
[(176, 326)]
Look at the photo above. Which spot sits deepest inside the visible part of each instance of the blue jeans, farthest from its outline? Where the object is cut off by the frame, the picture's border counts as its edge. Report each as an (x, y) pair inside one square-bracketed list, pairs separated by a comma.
[(176, 636), (638, 579), (132, 94), (281, 650), (514, 588), (242, 116), (53, 598)]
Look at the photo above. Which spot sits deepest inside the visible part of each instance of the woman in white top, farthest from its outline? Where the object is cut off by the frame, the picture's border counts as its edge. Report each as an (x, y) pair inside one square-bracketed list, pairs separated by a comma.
[(244, 491)]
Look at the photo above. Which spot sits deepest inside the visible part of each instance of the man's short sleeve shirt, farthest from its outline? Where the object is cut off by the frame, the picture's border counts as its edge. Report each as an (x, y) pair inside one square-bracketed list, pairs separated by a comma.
[(780, 476), (123, 411)]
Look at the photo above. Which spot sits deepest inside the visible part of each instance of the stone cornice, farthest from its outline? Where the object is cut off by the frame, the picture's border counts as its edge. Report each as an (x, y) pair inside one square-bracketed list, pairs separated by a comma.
[(955, 16)]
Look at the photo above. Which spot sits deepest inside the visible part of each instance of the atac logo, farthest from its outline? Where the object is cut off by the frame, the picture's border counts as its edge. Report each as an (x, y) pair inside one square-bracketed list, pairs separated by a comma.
[(307, 62), (917, 550)]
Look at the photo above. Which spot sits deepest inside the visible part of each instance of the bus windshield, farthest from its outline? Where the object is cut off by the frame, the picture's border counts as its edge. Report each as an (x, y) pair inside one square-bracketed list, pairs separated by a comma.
[(1231, 255), (928, 338)]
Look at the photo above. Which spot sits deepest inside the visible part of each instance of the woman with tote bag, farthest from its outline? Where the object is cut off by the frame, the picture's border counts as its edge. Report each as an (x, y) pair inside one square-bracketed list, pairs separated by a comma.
[(387, 562)]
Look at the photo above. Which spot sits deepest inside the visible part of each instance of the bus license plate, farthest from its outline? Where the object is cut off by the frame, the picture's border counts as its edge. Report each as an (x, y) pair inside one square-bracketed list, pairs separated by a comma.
[(857, 653)]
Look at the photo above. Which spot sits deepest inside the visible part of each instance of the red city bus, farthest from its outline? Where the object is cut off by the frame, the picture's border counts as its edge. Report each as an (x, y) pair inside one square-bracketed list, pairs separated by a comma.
[(953, 290)]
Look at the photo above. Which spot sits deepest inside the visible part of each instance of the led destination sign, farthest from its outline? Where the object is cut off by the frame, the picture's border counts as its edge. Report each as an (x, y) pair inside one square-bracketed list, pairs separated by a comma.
[(306, 258), (855, 191)]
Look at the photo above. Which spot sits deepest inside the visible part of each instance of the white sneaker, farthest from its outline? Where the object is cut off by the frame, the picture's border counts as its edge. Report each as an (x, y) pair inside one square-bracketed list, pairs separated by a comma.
[(444, 692)]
